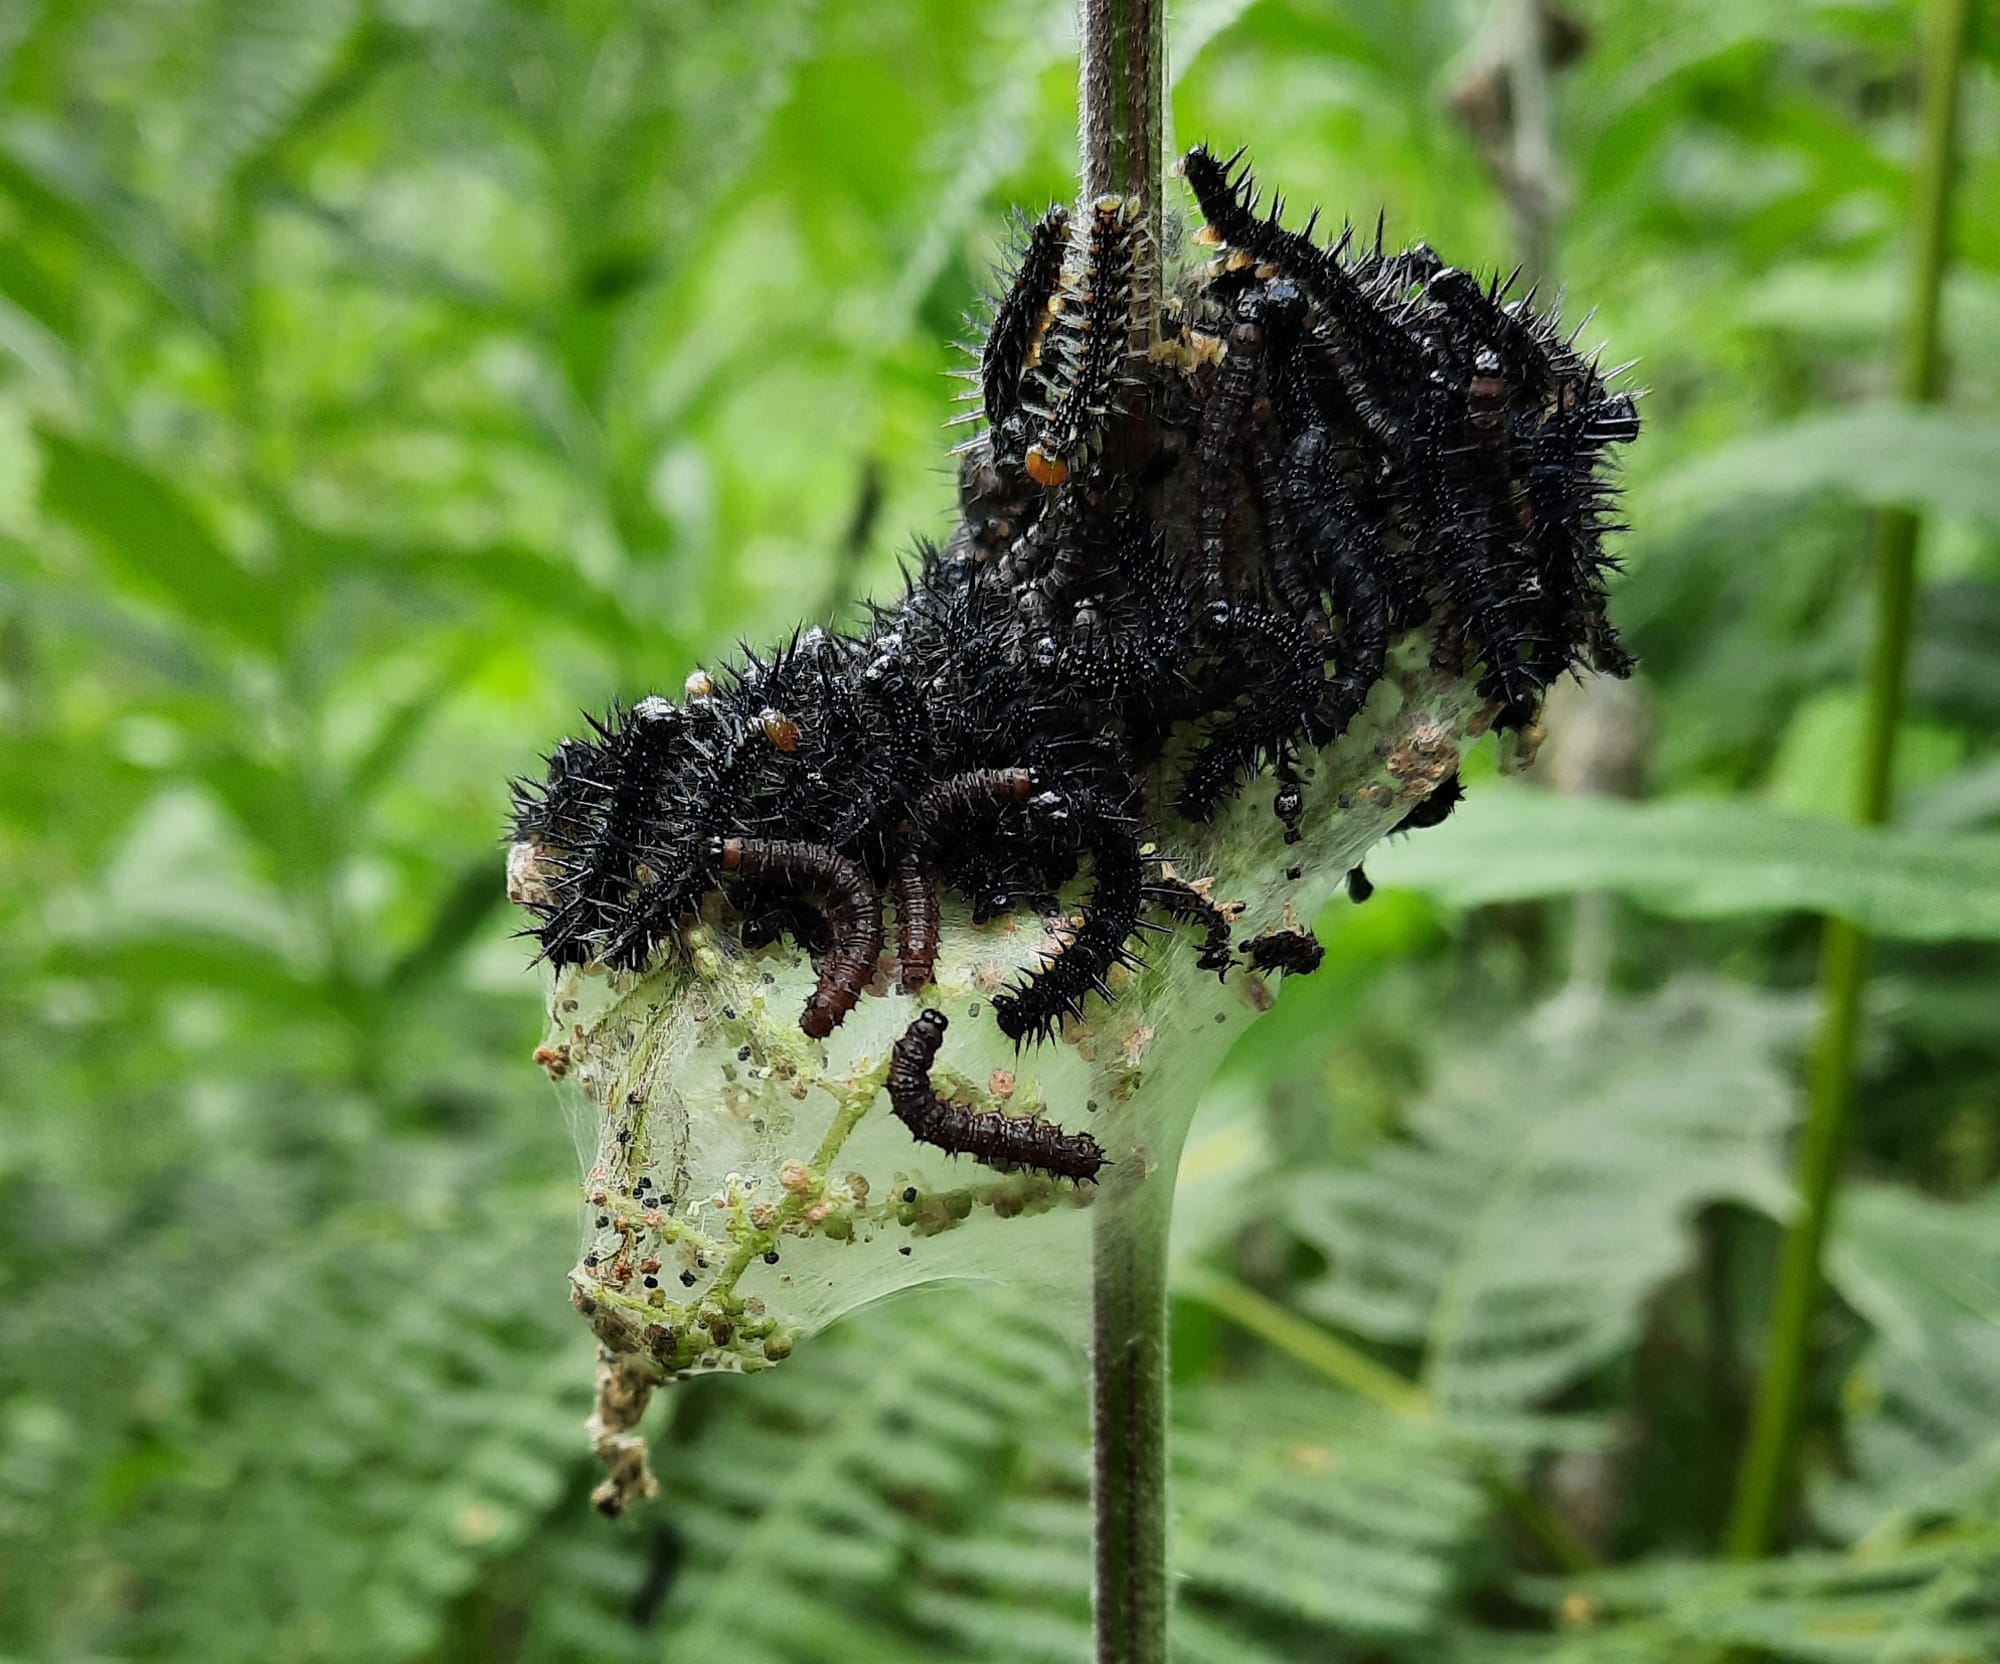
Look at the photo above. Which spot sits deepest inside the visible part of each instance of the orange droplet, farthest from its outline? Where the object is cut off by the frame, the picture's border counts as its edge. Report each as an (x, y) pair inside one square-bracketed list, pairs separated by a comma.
[(1044, 469), (780, 730)]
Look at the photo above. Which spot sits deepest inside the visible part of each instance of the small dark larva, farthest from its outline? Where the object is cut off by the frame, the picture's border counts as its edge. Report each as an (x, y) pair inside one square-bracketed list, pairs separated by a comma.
[(1035, 1006), (998, 1140), (1021, 317), (1182, 900), (1084, 346), (1173, 572), (1295, 952), (1436, 809)]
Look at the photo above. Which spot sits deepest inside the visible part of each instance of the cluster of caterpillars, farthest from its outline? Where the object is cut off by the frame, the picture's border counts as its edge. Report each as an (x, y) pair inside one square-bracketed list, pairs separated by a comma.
[(1192, 526)]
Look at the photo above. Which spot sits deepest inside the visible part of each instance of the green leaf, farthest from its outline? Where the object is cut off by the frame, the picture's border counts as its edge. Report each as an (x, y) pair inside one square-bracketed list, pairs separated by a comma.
[(50, 175), (1940, 460), (154, 540), (1703, 858)]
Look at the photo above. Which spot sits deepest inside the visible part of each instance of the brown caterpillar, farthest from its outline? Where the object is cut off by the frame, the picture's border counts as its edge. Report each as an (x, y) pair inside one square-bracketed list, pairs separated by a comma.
[(916, 921), (993, 1139), (853, 908), (979, 791)]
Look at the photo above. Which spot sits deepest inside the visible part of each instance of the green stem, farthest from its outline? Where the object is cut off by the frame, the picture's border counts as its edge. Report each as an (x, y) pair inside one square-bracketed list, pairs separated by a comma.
[(1304, 1340), (1769, 1458)]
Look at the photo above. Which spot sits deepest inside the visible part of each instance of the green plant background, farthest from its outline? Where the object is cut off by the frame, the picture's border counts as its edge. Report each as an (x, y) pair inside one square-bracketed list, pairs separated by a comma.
[(383, 380)]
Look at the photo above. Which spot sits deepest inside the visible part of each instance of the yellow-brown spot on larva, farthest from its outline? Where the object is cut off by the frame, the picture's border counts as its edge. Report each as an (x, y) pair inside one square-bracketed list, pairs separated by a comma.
[(1044, 469), (1001, 1083), (699, 685), (779, 729), (1240, 258), (1266, 272), (1207, 237)]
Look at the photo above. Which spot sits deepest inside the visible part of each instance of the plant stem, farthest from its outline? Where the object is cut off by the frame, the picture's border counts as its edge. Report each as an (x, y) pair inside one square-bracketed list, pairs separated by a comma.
[(1128, 1416), (1123, 89), (1121, 109), (1769, 1457)]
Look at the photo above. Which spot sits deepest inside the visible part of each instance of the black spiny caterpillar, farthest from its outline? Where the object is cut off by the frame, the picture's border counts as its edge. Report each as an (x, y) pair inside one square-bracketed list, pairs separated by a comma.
[(1185, 565)]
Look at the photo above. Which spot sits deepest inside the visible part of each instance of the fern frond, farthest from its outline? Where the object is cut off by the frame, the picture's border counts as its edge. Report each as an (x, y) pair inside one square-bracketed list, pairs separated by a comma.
[(1318, 1509), (1932, 1603), (1923, 1402), (1547, 1186)]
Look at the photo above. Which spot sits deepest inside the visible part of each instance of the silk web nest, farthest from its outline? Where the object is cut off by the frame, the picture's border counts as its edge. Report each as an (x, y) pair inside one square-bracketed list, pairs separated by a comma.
[(1239, 569)]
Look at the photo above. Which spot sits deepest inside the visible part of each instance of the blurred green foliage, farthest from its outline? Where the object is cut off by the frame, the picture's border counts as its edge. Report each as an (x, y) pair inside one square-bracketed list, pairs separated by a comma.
[(383, 380)]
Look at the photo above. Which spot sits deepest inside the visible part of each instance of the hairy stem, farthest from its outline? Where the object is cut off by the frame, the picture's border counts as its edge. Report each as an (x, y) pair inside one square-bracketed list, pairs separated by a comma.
[(1128, 1415), (1121, 120), (1768, 1460), (1123, 89)]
